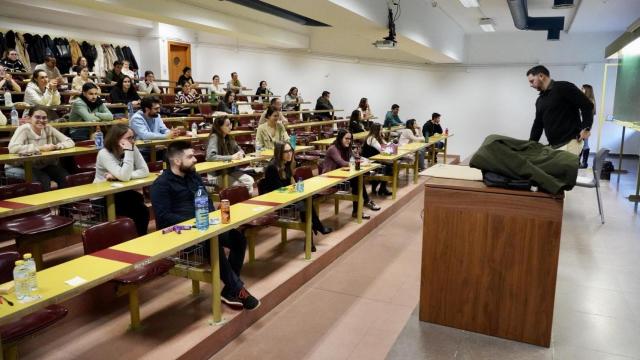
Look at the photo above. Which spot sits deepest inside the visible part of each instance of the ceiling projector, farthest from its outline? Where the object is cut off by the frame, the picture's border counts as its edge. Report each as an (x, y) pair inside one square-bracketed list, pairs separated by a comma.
[(386, 44)]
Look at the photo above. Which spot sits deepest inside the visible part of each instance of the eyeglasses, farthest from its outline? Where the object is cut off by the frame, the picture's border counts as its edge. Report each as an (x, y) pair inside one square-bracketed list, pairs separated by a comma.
[(40, 117)]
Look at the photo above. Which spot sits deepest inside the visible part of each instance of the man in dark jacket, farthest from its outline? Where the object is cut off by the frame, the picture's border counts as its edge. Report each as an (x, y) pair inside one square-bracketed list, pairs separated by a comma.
[(324, 103), (562, 111), (173, 195), (432, 126)]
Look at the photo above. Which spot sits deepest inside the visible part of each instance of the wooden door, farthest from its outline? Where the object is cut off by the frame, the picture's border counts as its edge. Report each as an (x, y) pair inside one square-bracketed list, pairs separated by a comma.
[(179, 57)]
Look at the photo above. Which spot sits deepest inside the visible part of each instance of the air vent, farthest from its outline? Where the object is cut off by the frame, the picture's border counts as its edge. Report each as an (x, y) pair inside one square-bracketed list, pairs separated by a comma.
[(563, 4), (279, 12)]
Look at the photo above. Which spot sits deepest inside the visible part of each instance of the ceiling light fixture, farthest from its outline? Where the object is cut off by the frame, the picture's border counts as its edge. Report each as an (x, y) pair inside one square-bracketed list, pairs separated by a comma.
[(488, 24), (469, 3)]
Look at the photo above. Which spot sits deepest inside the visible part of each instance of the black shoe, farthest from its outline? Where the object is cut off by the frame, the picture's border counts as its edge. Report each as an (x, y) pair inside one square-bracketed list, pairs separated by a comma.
[(230, 299), (372, 206), (385, 192), (325, 230), (313, 247), (364, 216), (242, 299)]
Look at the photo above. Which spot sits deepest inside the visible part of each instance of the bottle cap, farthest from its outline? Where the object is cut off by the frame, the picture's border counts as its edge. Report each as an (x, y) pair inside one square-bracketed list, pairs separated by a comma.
[(27, 256), (19, 262)]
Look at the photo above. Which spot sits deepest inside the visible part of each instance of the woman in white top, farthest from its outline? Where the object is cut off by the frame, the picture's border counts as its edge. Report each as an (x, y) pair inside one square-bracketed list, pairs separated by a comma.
[(292, 100), (125, 70), (410, 134), (365, 112), (41, 90), (373, 145), (79, 80), (38, 136), (120, 160), (216, 91)]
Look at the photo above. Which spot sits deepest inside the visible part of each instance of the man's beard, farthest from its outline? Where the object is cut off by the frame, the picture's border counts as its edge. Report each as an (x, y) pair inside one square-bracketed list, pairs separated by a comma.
[(187, 169)]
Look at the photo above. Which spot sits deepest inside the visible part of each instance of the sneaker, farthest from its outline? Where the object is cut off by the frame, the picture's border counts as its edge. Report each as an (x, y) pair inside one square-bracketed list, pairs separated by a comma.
[(249, 302), (364, 216), (371, 205), (230, 299)]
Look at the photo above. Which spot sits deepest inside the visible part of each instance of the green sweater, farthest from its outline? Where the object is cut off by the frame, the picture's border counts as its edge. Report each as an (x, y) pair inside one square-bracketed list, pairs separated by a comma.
[(552, 170)]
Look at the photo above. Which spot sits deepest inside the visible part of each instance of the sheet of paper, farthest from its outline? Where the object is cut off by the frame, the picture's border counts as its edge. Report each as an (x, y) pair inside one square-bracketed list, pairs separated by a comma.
[(75, 281)]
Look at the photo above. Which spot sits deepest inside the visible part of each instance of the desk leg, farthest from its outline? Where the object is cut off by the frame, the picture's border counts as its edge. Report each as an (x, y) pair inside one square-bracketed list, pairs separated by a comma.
[(152, 154), (636, 198), (360, 198), (307, 227), (225, 179), (416, 160), (111, 207), (620, 170), (444, 152), (394, 182), (215, 281), (28, 171)]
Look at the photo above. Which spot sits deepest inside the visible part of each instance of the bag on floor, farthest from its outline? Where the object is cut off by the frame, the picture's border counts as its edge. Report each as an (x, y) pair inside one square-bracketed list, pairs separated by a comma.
[(607, 169)]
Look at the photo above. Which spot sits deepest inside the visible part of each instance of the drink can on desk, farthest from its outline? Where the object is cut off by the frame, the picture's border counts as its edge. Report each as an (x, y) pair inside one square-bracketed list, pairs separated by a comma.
[(358, 162), (225, 211)]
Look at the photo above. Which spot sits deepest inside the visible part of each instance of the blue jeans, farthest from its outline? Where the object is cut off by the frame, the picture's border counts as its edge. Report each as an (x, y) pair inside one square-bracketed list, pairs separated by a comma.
[(43, 175)]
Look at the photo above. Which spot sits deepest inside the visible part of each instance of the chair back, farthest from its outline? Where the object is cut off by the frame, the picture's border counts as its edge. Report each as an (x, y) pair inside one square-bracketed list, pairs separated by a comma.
[(155, 166), (108, 234), (304, 172), (7, 262), (4, 150), (205, 108), (21, 189), (260, 184), (235, 194), (85, 143), (598, 161), (82, 178)]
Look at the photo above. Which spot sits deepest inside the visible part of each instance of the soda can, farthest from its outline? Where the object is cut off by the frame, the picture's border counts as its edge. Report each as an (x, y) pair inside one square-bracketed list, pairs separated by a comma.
[(225, 211)]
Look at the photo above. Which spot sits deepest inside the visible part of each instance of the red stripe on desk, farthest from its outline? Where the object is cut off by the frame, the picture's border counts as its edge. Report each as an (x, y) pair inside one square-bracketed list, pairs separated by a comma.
[(122, 256), (12, 204), (335, 176), (260, 202)]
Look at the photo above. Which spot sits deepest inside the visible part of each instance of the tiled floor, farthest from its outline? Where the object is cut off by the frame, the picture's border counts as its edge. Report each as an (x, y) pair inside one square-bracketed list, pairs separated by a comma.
[(357, 307)]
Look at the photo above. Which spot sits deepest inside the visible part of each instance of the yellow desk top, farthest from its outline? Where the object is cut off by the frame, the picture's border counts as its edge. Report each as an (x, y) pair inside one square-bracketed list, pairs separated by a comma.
[(77, 124), (635, 125), (96, 270), (314, 123), (407, 149), (78, 150), (356, 136)]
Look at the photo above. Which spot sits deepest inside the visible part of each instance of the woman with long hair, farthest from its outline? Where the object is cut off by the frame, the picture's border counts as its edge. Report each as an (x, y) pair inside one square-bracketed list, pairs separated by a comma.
[(263, 91), (279, 173), (588, 92), (227, 102), (124, 92), (185, 77), (187, 95), (120, 160), (271, 131), (88, 107), (337, 156), (410, 134), (292, 100), (373, 144), (222, 147), (365, 112), (355, 125)]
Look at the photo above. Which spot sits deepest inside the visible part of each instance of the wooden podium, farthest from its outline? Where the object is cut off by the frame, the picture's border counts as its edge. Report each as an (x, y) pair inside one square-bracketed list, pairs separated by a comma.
[(490, 259)]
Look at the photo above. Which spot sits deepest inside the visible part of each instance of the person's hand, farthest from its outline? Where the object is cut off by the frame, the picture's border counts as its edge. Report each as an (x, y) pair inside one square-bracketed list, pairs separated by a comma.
[(109, 177), (47, 147), (136, 103), (126, 144), (584, 134), (53, 84), (237, 156), (175, 133), (7, 77)]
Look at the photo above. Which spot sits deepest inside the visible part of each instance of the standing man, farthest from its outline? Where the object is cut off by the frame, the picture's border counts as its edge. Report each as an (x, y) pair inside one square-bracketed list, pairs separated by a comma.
[(324, 103), (562, 111), (391, 118), (173, 195)]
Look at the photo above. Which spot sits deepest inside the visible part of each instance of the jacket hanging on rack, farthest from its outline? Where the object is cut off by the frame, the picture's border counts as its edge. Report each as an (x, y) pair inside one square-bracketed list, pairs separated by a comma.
[(76, 52), (21, 49), (10, 39), (90, 52), (128, 54)]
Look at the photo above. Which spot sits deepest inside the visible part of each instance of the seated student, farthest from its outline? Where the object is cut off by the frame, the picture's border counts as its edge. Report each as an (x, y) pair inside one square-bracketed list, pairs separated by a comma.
[(264, 91), (124, 92), (292, 100), (12, 63), (37, 136), (222, 147), (88, 107), (391, 118), (172, 196), (185, 77), (7, 83), (80, 63), (115, 75), (227, 102), (271, 131), (42, 91), (120, 160), (324, 103), (147, 124), (149, 85), (79, 81), (51, 69), (278, 174), (433, 127), (187, 95), (276, 103), (234, 84), (410, 134), (127, 71), (337, 156), (355, 123), (372, 146), (365, 113), (216, 91)]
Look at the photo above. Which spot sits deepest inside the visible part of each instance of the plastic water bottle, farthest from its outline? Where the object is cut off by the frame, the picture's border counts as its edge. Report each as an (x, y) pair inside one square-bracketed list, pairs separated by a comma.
[(14, 117), (30, 264), (98, 138), (130, 110), (352, 164), (234, 108), (202, 209), (7, 98), (194, 130), (300, 185), (21, 280)]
